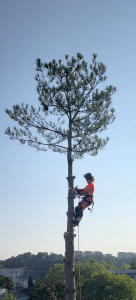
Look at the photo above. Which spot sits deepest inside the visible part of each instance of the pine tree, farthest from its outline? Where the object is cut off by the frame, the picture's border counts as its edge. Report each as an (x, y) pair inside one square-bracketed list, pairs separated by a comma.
[(30, 282), (72, 114)]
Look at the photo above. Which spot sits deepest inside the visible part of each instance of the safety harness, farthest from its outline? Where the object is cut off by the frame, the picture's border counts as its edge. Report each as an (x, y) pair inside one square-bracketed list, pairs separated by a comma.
[(78, 209)]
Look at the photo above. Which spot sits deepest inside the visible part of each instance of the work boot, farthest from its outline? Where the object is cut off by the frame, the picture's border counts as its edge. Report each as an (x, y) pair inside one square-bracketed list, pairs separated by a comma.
[(75, 222)]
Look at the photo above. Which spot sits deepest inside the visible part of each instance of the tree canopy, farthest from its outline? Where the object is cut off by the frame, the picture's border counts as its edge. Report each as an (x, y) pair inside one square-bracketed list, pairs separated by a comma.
[(9, 296), (97, 283), (29, 260), (5, 282), (68, 92), (133, 264)]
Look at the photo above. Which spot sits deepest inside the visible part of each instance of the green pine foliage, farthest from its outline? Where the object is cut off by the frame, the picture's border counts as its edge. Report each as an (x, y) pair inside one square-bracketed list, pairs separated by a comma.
[(70, 106), (30, 283)]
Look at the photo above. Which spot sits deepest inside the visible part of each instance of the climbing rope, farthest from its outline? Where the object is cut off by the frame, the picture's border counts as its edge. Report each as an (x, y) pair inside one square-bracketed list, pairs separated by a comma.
[(79, 274), (79, 267)]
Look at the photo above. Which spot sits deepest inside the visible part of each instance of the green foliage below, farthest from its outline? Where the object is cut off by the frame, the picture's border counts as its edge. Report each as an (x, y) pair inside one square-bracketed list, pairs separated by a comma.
[(30, 283), (5, 282), (133, 264), (97, 283), (9, 296), (52, 287)]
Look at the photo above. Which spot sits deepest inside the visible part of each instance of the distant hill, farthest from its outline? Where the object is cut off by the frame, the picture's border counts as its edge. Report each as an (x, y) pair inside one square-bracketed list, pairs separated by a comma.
[(41, 260)]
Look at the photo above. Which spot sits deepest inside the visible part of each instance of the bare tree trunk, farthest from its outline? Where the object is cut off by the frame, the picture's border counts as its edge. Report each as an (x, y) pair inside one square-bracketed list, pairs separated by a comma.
[(70, 289)]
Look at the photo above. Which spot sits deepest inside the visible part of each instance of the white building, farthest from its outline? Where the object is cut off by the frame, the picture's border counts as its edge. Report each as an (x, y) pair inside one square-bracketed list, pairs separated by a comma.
[(20, 276), (15, 274), (2, 293), (126, 255)]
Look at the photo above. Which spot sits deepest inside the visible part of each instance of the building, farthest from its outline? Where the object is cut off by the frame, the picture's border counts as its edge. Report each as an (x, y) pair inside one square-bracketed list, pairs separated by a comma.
[(126, 255), (16, 274), (20, 276), (129, 273), (108, 255), (87, 254)]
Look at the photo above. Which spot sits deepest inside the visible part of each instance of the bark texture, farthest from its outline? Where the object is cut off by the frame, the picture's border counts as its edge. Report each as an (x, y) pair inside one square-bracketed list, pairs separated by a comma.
[(70, 289)]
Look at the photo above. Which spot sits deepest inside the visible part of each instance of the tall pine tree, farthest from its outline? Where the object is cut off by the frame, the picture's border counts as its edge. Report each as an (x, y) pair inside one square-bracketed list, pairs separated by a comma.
[(72, 114)]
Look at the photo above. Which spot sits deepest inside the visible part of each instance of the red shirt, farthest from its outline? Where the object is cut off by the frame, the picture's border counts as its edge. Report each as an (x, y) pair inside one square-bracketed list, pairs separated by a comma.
[(89, 188)]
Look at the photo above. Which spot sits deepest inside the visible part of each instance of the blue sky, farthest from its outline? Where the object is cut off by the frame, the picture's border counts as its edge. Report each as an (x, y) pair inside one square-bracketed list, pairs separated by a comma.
[(33, 185)]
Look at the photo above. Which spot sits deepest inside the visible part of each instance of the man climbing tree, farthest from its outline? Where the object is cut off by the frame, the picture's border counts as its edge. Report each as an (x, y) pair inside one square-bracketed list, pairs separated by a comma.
[(87, 198), (71, 115)]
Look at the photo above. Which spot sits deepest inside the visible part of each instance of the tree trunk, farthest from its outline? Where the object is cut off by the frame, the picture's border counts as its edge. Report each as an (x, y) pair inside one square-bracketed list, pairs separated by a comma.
[(70, 289)]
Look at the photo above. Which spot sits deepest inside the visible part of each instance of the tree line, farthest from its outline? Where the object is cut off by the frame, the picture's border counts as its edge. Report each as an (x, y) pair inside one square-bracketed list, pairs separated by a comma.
[(96, 280), (43, 260)]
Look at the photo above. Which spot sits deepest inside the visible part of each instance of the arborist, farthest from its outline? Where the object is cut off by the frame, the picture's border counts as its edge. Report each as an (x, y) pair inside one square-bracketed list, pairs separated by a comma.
[(87, 199)]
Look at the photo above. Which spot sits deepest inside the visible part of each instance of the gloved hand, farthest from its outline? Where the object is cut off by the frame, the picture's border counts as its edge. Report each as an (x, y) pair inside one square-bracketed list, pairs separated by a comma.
[(76, 190)]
